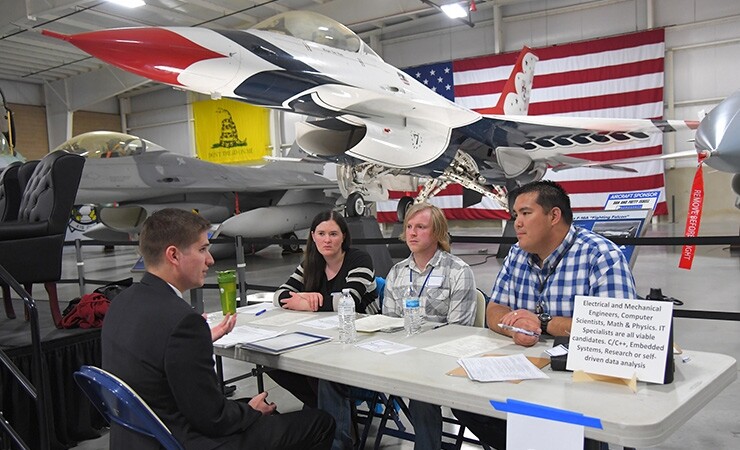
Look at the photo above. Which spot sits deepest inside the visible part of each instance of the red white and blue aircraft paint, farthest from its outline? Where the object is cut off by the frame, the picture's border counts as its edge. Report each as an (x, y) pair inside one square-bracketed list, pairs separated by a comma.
[(367, 115)]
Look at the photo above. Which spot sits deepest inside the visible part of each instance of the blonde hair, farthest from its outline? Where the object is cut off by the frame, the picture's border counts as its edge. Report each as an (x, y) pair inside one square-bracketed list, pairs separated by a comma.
[(439, 224)]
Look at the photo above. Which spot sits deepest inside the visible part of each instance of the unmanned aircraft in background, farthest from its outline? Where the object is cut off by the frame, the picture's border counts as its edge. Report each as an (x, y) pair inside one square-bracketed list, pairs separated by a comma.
[(367, 116), (718, 139), (7, 155), (129, 178)]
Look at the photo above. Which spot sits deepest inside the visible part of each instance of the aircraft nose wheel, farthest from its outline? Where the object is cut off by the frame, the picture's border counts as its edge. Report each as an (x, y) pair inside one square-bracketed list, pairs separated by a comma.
[(403, 205), (293, 246), (355, 206)]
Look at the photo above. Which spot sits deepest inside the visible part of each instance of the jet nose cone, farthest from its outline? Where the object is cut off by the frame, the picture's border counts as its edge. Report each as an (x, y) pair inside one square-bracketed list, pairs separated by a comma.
[(719, 134), (159, 54)]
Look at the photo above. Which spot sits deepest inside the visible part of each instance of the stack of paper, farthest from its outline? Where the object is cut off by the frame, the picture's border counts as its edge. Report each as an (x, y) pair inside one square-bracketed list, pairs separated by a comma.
[(377, 322), (244, 334), (501, 368)]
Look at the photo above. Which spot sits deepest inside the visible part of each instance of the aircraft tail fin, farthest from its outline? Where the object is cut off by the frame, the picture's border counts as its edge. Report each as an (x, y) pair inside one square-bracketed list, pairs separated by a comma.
[(515, 95)]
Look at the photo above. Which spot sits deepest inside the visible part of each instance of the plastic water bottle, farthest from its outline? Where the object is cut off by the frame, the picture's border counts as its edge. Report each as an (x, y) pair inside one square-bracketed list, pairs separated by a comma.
[(346, 309), (412, 316)]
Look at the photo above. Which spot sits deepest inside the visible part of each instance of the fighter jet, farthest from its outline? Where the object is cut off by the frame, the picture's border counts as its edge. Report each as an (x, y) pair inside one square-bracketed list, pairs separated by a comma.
[(128, 178), (368, 116)]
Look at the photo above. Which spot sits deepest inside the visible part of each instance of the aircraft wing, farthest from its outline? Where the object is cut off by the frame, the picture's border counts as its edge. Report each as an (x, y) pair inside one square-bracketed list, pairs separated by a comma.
[(162, 173), (529, 144), (573, 162)]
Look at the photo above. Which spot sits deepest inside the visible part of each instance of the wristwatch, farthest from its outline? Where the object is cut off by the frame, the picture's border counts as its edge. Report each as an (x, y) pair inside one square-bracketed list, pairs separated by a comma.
[(545, 318)]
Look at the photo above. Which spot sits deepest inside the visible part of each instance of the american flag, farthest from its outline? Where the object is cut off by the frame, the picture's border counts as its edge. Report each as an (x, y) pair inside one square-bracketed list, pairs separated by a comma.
[(616, 77)]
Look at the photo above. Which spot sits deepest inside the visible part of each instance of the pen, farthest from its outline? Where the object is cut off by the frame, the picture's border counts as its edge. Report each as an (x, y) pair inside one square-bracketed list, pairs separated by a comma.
[(517, 330), (440, 325), (260, 312)]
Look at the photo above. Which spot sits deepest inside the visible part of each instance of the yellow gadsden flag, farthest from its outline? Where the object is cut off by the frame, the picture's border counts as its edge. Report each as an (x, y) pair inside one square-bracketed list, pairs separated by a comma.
[(228, 131)]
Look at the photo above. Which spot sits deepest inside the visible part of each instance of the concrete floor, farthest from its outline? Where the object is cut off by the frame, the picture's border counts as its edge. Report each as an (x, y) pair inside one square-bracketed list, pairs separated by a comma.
[(712, 284)]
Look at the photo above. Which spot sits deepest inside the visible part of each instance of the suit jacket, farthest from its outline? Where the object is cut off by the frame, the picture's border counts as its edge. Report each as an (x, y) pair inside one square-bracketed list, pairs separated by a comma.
[(155, 342)]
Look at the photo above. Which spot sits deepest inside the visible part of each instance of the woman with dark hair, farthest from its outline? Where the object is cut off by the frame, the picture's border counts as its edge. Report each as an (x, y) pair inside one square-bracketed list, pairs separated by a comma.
[(329, 265)]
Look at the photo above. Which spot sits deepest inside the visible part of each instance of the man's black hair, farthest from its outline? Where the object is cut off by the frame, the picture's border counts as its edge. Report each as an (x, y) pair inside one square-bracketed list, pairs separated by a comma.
[(549, 195)]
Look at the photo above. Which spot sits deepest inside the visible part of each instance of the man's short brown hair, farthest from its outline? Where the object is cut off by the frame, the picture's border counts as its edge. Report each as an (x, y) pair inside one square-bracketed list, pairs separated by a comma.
[(167, 227)]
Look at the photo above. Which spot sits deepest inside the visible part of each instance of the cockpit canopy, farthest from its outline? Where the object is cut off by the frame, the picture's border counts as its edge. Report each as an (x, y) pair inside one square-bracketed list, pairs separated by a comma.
[(107, 144), (313, 27), (4, 147)]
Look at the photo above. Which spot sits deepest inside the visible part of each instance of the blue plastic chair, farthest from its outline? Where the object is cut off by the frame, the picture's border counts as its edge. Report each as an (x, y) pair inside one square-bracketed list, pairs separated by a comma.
[(380, 283), (119, 404)]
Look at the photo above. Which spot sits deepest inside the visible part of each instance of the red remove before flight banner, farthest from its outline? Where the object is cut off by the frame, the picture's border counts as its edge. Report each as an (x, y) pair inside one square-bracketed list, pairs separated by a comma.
[(693, 218)]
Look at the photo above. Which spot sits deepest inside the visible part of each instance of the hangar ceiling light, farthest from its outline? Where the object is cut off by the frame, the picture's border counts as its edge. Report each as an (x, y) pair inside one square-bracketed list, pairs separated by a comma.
[(458, 10), (129, 3), (454, 10)]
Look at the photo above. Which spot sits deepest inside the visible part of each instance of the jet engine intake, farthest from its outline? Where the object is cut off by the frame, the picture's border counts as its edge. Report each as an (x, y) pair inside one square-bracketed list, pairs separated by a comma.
[(328, 137), (414, 144)]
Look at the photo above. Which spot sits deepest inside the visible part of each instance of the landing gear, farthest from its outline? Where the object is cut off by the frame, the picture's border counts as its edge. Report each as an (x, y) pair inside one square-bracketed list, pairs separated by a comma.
[(462, 170), (403, 205), (355, 206), (293, 246)]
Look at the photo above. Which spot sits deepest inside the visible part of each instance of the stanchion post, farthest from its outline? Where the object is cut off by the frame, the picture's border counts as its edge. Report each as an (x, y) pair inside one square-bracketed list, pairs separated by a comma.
[(80, 266), (196, 299), (241, 272)]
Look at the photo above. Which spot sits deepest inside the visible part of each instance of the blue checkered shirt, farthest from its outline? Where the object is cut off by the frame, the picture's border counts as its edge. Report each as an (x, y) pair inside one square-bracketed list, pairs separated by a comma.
[(585, 263)]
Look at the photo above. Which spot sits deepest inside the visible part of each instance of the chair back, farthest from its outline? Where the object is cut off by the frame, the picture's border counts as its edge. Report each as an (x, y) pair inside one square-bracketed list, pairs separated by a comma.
[(121, 405), (51, 191), (10, 192), (480, 309), (380, 289), (25, 172)]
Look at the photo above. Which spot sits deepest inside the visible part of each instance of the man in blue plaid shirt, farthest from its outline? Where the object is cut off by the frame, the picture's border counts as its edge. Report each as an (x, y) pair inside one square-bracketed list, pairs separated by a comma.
[(551, 264), (535, 290)]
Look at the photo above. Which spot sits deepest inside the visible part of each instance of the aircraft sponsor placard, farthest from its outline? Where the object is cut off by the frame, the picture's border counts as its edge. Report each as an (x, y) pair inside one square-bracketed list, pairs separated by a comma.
[(632, 200)]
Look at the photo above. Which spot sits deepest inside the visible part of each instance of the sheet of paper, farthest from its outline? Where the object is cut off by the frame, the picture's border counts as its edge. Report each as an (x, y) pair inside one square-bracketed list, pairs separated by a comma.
[(385, 347), (501, 368), (375, 322), (243, 334), (550, 435), (286, 318), (324, 323), (467, 346), (560, 350), (217, 316)]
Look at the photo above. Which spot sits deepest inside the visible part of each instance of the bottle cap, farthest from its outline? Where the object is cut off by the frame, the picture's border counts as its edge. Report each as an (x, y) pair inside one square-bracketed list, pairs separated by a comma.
[(226, 275)]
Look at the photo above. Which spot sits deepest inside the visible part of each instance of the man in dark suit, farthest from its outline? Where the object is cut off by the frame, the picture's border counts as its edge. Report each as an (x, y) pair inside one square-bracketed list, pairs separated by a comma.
[(155, 342)]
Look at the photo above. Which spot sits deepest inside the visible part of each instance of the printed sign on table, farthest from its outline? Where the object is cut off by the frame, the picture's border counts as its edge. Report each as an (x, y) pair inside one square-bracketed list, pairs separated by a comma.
[(620, 337)]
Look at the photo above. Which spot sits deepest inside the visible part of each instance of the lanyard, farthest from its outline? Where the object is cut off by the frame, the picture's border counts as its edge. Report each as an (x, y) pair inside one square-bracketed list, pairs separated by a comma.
[(543, 283), (411, 282)]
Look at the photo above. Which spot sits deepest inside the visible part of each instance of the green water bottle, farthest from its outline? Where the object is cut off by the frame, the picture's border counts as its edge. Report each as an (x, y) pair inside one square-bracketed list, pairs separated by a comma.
[(227, 289)]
